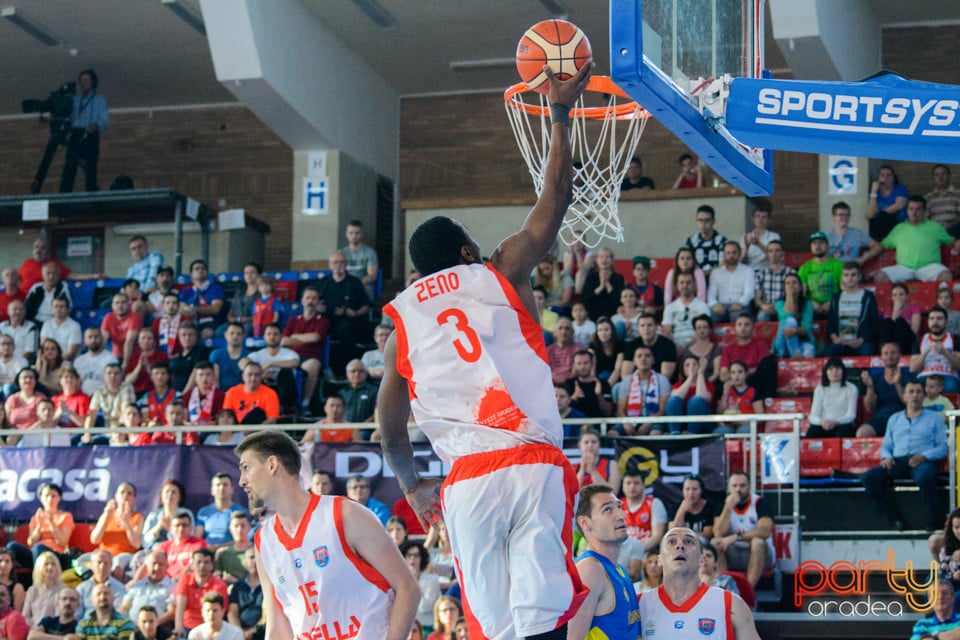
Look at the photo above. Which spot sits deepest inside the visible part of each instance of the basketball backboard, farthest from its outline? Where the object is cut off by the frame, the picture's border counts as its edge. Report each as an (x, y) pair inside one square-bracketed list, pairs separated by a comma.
[(677, 57)]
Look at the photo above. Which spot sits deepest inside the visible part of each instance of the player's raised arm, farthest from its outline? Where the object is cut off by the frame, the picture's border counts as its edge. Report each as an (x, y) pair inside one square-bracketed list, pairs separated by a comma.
[(518, 254), (369, 539)]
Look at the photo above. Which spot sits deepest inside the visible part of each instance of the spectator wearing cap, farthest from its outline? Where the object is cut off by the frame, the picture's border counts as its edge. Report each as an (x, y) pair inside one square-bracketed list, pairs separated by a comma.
[(754, 243), (649, 295), (821, 276), (918, 242)]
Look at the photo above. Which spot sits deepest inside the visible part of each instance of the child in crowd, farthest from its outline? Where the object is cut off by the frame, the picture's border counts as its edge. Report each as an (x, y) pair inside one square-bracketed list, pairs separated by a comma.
[(583, 326), (738, 398), (628, 315), (266, 308), (567, 412), (167, 325), (154, 402), (46, 419), (933, 395), (945, 301), (548, 317)]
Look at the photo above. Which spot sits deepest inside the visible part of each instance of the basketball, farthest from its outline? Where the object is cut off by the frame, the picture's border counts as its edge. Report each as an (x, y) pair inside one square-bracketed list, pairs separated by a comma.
[(558, 43)]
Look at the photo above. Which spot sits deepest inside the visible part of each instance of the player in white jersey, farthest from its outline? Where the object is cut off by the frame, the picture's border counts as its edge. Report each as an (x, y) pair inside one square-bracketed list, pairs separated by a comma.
[(684, 607), (327, 566), (468, 358)]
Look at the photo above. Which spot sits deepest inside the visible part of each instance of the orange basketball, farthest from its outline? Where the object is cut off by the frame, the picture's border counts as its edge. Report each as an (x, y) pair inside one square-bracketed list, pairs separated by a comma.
[(558, 43)]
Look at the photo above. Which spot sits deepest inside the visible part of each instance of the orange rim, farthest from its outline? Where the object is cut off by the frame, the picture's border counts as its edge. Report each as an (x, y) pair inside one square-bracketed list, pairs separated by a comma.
[(598, 84)]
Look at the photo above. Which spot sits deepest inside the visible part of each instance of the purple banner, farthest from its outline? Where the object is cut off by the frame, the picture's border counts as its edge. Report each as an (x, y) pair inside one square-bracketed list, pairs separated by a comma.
[(664, 462), (89, 476)]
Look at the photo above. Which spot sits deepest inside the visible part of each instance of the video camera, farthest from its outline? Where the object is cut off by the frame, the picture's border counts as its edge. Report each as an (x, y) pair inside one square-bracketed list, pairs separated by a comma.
[(59, 105)]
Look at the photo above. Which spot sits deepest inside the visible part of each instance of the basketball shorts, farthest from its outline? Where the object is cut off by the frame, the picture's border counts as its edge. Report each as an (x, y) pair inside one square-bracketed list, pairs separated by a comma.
[(509, 515)]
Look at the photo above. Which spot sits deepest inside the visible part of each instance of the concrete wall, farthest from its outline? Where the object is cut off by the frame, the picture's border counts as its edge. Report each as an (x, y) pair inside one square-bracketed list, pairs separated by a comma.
[(654, 228)]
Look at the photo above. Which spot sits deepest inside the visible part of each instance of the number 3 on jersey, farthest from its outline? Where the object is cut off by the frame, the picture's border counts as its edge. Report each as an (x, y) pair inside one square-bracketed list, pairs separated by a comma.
[(471, 351)]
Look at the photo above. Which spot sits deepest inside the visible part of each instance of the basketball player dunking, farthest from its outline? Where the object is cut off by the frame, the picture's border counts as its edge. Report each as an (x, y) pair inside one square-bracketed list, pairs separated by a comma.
[(685, 605), (468, 357), (327, 566)]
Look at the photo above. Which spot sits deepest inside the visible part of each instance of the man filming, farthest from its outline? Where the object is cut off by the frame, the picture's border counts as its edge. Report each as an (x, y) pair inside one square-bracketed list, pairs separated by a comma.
[(88, 119)]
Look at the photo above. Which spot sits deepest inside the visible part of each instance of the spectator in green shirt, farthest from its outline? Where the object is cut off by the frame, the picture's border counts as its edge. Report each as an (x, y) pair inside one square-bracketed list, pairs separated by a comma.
[(918, 242), (821, 276)]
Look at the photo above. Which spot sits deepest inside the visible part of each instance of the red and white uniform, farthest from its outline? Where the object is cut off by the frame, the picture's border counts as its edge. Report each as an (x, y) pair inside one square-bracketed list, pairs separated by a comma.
[(481, 390), (707, 614), (324, 588), (745, 519), (639, 520)]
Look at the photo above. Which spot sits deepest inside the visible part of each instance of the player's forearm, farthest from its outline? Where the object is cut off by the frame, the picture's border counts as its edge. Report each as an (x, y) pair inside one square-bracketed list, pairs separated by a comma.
[(405, 604), (398, 452)]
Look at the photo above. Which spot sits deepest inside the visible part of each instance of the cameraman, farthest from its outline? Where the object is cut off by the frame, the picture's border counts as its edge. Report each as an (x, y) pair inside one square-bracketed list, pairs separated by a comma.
[(88, 119)]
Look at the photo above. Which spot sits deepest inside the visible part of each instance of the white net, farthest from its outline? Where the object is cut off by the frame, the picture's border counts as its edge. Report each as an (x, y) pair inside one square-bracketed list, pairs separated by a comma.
[(603, 140)]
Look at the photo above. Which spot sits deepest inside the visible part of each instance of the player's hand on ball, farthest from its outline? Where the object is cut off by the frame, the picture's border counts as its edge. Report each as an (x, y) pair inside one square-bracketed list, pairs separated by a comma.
[(424, 499), (567, 91)]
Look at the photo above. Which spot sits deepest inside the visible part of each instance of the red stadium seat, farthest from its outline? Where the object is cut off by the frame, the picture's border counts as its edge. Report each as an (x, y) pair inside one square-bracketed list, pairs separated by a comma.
[(659, 267), (886, 259), (735, 456), (950, 258), (859, 454), (80, 538), (796, 376), (882, 291), (795, 259), (819, 457), (766, 331), (787, 405), (724, 335), (744, 587), (923, 293)]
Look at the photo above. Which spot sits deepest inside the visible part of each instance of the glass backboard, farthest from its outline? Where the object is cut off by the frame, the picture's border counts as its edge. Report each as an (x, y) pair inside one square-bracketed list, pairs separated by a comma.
[(676, 57)]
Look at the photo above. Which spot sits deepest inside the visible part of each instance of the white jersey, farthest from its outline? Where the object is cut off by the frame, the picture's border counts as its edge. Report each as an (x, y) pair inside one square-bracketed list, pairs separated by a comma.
[(742, 521), (324, 588), (706, 614), (475, 363)]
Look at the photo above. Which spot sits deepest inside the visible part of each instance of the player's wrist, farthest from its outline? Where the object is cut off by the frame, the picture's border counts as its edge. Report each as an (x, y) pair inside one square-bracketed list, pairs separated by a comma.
[(560, 113)]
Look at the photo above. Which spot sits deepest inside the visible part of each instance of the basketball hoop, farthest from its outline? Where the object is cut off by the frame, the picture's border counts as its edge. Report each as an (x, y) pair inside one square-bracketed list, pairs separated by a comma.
[(593, 214)]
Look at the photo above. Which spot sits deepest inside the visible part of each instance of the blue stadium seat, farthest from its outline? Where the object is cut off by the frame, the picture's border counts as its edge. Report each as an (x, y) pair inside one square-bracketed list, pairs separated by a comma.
[(283, 276), (91, 318), (82, 293), (229, 276), (215, 343), (183, 278), (254, 343)]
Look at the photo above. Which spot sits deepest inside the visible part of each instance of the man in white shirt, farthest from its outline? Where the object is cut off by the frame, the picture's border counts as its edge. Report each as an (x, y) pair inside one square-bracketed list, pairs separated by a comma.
[(278, 364), (10, 364), (63, 329), (754, 243), (92, 363), (678, 316), (24, 332), (213, 609), (732, 285)]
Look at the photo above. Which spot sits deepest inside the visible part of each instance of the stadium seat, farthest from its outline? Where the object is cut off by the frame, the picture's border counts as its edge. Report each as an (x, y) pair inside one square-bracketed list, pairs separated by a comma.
[(286, 290), (859, 454), (923, 293), (82, 293), (787, 405), (819, 457), (310, 278), (214, 343), (744, 587), (80, 538), (950, 258), (886, 259), (796, 376)]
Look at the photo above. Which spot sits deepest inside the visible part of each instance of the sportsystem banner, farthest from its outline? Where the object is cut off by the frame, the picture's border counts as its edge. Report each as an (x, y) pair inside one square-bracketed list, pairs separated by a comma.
[(89, 475), (886, 116)]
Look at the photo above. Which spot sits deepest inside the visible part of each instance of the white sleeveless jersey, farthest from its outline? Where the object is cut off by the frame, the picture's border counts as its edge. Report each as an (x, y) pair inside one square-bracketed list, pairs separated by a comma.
[(324, 588), (746, 520), (705, 615), (475, 363)]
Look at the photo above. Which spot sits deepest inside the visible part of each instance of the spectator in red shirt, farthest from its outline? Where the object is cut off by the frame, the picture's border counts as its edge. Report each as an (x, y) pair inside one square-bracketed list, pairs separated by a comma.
[(121, 327), (180, 547), (306, 334), (192, 587), (138, 369), (11, 291), (160, 395), (752, 351), (73, 405), (31, 271)]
